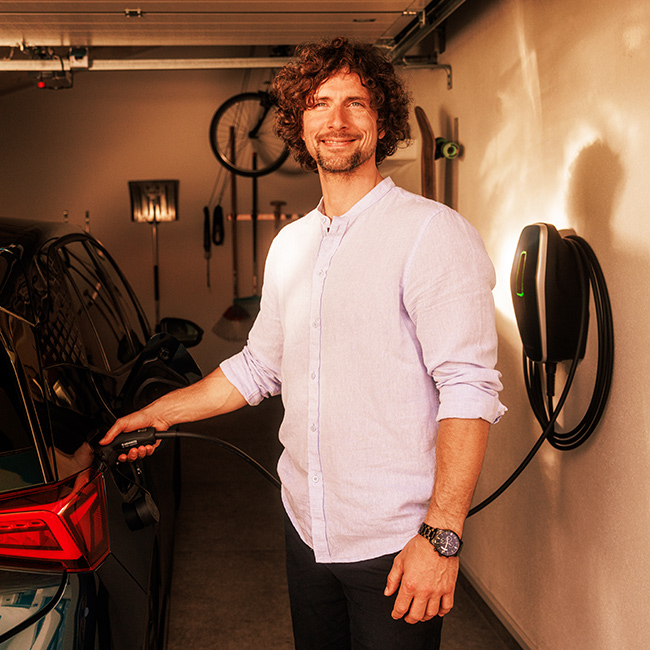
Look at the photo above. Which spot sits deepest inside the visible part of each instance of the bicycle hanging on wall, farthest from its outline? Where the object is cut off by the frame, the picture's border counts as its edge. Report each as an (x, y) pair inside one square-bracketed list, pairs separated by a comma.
[(251, 115)]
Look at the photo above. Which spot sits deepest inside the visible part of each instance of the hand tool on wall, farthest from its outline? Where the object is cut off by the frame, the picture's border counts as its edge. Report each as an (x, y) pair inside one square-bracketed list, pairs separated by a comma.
[(207, 242), (254, 226), (277, 212), (218, 231), (238, 318), (212, 234)]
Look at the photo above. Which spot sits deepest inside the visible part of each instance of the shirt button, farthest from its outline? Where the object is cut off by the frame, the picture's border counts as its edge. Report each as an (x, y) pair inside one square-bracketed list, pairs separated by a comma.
[(313, 427), (313, 375), (316, 322), (314, 479)]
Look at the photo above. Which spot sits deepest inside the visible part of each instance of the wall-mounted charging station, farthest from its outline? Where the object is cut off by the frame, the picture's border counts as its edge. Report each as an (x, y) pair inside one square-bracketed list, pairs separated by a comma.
[(554, 274), (547, 294)]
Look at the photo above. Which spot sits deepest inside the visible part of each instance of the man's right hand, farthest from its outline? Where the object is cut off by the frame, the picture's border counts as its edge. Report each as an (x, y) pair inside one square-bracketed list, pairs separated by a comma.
[(138, 420), (212, 395)]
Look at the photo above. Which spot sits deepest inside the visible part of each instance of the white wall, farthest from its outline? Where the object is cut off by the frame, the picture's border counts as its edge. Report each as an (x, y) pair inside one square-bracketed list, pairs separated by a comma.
[(552, 101)]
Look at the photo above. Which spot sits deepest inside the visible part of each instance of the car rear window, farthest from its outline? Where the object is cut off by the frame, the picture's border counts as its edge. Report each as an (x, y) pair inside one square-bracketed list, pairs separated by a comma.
[(19, 464)]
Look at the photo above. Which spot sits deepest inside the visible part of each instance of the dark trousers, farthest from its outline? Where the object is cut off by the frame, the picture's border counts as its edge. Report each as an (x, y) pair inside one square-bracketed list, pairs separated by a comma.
[(342, 606)]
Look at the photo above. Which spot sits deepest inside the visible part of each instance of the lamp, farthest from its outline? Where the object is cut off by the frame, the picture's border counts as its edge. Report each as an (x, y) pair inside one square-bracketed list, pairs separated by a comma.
[(153, 202)]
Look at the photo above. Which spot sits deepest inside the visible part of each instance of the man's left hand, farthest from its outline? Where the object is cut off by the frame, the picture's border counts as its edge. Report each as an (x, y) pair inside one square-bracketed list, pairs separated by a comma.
[(426, 582)]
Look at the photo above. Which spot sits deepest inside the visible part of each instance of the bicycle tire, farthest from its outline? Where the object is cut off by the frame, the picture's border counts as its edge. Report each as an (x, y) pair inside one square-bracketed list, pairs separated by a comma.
[(251, 114)]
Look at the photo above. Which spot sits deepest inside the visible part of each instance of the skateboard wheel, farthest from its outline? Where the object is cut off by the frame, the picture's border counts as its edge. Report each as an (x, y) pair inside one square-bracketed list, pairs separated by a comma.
[(446, 149)]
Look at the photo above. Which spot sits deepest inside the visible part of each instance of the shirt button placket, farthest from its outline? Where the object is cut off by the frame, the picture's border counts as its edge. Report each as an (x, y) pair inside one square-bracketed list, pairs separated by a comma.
[(328, 247)]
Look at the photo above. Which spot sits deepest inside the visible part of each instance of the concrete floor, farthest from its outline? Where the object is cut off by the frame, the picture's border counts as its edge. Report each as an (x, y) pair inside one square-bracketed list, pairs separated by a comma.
[(229, 589)]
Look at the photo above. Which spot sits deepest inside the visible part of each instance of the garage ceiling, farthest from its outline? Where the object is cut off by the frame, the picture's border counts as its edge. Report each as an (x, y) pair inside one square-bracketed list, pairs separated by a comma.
[(187, 22), (143, 34)]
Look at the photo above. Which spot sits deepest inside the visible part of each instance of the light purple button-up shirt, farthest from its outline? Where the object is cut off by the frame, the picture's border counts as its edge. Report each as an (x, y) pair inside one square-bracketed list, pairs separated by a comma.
[(357, 317)]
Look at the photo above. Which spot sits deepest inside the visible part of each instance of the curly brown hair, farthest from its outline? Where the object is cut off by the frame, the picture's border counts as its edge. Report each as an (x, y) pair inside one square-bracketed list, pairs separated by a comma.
[(294, 86)]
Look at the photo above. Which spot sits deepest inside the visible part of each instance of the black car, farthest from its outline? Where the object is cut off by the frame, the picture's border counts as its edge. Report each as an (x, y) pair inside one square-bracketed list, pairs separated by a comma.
[(85, 549)]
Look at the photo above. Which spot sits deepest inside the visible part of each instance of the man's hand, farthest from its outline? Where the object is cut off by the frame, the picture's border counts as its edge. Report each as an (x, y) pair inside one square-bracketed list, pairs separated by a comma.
[(426, 582), (212, 395), (133, 422)]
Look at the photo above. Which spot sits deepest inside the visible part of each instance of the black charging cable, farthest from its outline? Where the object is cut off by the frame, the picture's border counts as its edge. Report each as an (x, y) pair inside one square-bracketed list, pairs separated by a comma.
[(588, 263), (546, 413), (122, 443)]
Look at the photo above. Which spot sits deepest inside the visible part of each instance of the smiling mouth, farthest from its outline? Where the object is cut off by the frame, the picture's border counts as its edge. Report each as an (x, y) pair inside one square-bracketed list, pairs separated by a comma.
[(337, 142)]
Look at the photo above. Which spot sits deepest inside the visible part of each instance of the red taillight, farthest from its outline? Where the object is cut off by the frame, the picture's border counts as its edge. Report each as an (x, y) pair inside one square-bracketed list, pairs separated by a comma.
[(64, 523)]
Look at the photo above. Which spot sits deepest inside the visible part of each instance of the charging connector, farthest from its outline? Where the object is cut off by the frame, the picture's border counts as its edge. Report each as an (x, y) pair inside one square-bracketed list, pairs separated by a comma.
[(108, 454)]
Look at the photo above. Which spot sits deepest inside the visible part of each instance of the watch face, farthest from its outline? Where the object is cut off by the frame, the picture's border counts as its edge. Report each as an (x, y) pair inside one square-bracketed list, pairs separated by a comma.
[(447, 543)]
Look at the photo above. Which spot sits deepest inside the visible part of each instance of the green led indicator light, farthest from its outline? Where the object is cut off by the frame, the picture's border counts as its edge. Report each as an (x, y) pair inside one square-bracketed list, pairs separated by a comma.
[(519, 280)]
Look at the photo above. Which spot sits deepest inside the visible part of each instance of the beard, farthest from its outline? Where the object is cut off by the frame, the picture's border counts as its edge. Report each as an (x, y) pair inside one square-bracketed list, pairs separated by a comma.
[(334, 163)]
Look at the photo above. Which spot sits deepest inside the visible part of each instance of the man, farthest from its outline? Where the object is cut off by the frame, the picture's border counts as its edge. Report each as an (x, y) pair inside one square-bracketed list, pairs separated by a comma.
[(377, 327)]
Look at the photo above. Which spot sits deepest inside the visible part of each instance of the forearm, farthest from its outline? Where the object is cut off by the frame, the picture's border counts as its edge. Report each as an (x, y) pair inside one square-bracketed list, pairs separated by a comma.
[(459, 457), (213, 395), (426, 581)]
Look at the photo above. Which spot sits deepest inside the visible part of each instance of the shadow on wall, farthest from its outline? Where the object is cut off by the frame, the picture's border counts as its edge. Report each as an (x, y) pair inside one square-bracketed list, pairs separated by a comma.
[(596, 183)]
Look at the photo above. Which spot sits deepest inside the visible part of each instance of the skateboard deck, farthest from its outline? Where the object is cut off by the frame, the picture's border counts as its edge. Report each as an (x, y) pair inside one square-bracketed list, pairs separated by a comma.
[(432, 149)]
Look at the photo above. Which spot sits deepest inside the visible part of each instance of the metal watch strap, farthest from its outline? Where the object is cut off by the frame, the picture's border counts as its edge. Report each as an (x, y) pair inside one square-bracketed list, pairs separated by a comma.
[(432, 535)]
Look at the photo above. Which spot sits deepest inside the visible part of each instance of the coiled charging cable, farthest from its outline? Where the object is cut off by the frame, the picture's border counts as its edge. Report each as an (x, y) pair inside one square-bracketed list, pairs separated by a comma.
[(591, 275)]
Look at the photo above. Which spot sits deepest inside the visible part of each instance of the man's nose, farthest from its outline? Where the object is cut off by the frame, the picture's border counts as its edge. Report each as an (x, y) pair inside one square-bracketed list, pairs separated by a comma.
[(337, 118)]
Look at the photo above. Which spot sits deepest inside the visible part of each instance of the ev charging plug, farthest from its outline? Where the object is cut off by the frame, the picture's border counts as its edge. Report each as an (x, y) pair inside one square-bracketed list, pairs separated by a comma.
[(121, 444)]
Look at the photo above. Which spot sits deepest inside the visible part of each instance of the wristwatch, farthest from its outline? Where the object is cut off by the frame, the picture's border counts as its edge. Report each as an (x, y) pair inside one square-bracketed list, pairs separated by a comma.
[(446, 542)]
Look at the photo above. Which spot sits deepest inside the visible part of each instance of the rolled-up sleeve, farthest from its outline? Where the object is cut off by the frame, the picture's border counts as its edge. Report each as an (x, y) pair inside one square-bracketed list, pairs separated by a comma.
[(448, 295), (256, 370), (254, 379)]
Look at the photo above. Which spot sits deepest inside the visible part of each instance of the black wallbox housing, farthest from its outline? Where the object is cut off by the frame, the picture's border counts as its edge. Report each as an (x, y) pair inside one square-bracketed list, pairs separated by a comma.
[(546, 294)]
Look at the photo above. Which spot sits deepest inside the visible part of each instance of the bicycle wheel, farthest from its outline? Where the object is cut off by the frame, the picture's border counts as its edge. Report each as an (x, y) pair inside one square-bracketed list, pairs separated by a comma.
[(250, 117)]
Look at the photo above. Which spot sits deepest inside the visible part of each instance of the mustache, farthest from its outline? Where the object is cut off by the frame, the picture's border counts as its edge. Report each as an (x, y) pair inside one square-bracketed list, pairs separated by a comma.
[(338, 135)]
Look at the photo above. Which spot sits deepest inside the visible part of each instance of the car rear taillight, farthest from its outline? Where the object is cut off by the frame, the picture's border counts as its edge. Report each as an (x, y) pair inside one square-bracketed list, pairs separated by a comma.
[(62, 524)]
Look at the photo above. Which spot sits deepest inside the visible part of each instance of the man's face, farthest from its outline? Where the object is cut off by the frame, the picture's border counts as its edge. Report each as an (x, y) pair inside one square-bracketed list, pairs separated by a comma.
[(340, 127)]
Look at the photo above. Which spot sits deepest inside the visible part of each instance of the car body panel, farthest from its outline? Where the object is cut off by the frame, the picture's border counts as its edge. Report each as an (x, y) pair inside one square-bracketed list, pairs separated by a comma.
[(75, 353)]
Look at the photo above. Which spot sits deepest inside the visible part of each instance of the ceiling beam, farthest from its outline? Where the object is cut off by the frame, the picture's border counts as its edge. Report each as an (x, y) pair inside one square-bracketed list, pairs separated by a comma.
[(63, 64)]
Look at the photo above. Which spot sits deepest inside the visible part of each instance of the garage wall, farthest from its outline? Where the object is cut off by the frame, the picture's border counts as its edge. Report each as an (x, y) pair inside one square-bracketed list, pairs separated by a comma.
[(552, 105), (77, 149)]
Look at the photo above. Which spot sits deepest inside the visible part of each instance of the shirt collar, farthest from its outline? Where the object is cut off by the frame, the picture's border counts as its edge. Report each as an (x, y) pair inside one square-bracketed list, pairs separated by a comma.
[(371, 198)]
